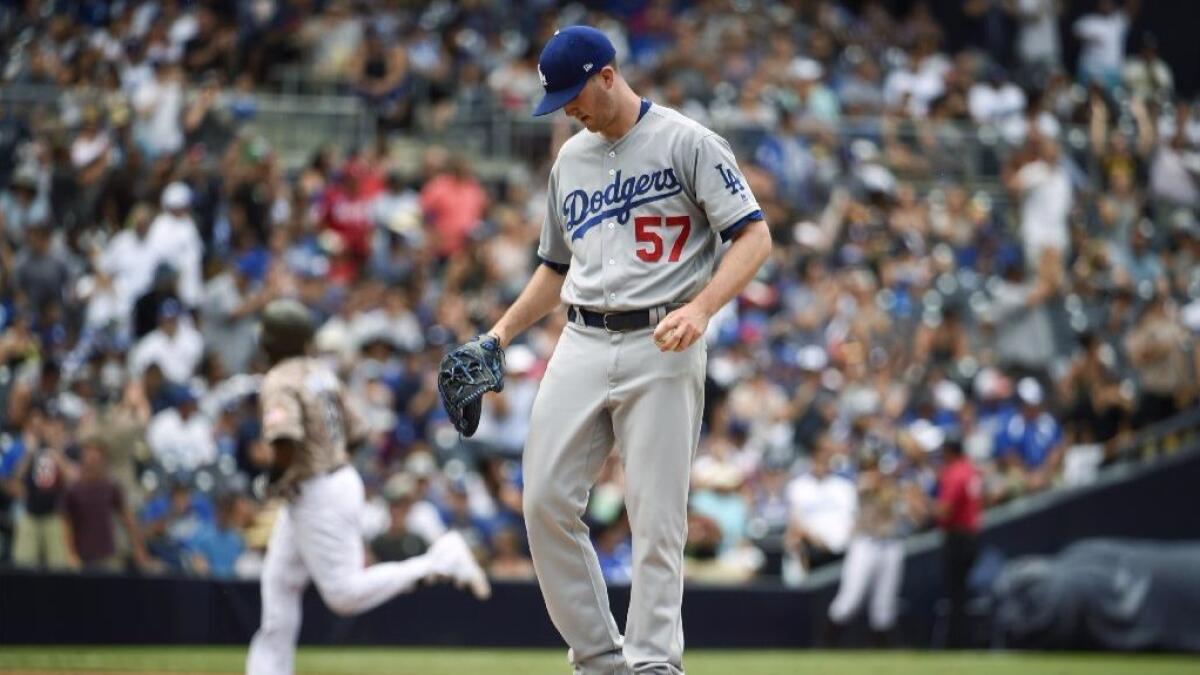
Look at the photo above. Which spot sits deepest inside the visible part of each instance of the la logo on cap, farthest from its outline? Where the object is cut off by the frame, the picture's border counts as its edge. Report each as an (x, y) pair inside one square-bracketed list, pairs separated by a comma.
[(542, 76)]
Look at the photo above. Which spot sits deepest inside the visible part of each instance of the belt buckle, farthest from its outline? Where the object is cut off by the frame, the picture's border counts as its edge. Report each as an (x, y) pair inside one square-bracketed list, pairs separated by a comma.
[(604, 319)]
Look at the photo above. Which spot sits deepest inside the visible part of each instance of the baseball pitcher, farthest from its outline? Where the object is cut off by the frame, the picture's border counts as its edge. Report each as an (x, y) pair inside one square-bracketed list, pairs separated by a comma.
[(639, 204)]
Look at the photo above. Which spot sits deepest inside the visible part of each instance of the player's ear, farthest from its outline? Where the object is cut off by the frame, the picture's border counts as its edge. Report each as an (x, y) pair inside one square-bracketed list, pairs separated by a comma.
[(608, 76)]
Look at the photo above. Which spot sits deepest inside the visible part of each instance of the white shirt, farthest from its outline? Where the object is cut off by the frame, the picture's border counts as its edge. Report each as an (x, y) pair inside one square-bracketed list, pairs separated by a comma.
[(1170, 178), (824, 507), (1038, 37), (84, 151), (922, 85), (129, 260), (176, 356), (992, 104), (425, 521), (179, 443), (104, 305), (1103, 41), (160, 107), (176, 241), (1016, 129), (1045, 204)]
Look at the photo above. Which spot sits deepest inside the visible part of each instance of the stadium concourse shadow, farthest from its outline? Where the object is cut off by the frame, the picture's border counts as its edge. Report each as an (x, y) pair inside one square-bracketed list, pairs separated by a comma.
[(1147, 501)]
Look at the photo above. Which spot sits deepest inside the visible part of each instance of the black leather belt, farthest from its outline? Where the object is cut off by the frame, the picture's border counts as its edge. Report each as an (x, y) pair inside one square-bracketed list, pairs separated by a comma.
[(620, 322)]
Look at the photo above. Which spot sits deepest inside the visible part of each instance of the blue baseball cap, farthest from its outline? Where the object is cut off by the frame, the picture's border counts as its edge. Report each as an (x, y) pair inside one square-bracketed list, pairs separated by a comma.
[(568, 60)]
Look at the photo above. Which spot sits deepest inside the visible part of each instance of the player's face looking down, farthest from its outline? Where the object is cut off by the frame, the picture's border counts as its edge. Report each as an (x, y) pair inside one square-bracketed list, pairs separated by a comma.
[(595, 107)]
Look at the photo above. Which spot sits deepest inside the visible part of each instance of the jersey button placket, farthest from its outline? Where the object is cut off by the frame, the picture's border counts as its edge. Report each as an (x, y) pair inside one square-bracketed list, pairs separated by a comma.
[(608, 246)]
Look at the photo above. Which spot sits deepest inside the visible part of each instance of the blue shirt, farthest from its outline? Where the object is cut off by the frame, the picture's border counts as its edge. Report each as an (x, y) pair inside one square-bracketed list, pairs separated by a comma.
[(10, 455), (183, 531), (221, 548), (617, 565), (1031, 440)]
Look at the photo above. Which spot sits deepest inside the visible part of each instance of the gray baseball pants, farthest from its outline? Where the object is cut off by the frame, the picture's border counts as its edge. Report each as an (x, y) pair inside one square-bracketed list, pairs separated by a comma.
[(603, 389)]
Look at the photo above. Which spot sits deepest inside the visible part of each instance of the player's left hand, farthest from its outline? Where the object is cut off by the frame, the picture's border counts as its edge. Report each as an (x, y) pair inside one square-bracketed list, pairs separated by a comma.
[(680, 329)]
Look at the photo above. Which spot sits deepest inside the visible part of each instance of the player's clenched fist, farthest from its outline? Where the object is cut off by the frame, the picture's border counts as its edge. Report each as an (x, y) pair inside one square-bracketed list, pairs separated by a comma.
[(680, 329)]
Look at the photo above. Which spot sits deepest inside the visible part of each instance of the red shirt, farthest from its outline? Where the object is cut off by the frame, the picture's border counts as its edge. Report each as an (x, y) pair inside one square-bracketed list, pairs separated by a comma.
[(454, 207), (349, 215), (960, 494)]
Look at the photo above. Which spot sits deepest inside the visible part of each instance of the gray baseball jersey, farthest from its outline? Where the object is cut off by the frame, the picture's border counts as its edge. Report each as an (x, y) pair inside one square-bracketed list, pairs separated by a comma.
[(634, 224), (638, 221)]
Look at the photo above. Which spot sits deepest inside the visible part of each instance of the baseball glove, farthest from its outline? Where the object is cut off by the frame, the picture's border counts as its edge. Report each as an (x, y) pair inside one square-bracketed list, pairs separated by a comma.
[(465, 375)]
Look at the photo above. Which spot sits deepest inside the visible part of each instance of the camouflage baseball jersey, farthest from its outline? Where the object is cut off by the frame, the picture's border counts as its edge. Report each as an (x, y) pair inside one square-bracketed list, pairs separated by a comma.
[(302, 400), (635, 224)]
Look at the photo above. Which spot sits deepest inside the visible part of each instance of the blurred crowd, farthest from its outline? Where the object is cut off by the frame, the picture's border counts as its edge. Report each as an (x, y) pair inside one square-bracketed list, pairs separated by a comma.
[(974, 246)]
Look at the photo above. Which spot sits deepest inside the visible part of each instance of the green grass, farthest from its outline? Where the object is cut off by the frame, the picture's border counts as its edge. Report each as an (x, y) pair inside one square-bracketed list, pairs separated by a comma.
[(368, 661)]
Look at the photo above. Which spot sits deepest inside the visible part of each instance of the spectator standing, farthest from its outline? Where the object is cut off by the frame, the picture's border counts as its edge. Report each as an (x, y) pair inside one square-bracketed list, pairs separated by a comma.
[(23, 203), (1020, 319), (1173, 176), (345, 212), (129, 260), (1103, 35), (91, 153), (454, 204), (1147, 76), (1038, 44), (90, 505), (381, 77), (959, 504), (42, 276), (1044, 190), (175, 240), (1092, 392), (40, 481), (1158, 350), (158, 103)]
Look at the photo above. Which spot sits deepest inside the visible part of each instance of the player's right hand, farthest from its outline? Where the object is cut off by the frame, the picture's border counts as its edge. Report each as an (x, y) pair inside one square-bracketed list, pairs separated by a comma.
[(680, 329)]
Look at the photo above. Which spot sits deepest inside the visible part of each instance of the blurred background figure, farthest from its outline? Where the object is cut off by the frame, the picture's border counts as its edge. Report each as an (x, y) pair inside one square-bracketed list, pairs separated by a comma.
[(960, 501)]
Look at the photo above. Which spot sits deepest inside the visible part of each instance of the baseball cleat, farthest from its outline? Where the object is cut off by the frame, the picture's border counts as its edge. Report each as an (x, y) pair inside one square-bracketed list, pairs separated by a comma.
[(450, 557)]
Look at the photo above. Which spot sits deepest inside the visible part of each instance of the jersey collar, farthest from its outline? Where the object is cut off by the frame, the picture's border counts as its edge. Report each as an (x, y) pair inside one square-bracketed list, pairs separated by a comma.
[(645, 108)]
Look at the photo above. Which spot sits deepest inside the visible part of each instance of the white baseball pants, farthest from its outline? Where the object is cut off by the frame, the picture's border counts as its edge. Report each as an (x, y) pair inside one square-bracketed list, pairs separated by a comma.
[(874, 566), (317, 537)]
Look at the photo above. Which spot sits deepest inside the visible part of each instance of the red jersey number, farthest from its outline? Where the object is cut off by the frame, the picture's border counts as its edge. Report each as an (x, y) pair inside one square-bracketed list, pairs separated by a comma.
[(646, 231)]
